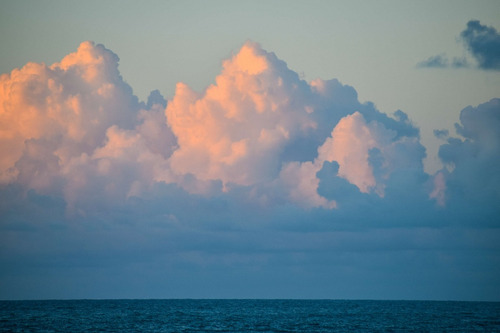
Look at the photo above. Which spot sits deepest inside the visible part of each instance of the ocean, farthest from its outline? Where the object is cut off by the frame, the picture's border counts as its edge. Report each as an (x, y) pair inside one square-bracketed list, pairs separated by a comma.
[(248, 316)]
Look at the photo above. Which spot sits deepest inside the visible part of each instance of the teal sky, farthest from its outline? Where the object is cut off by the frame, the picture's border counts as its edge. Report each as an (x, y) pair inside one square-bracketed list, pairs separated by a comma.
[(370, 45)]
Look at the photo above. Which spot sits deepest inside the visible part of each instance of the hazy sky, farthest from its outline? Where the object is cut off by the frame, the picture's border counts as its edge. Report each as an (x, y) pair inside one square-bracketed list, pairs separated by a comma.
[(315, 149)]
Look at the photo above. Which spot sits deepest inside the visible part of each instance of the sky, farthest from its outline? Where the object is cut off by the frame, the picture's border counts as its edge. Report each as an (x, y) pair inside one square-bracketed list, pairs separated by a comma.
[(283, 149)]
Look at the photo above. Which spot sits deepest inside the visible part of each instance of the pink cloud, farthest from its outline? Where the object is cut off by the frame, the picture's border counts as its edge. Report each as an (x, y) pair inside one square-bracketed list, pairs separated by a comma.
[(235, 131), (349, 145), (76, 128)]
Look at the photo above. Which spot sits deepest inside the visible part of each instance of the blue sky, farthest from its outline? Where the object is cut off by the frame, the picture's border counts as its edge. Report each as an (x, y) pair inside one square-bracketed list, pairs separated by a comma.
[(279, 168)]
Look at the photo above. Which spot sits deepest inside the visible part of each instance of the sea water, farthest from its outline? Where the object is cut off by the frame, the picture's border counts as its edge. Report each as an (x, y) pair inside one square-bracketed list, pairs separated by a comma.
[(248, 316)]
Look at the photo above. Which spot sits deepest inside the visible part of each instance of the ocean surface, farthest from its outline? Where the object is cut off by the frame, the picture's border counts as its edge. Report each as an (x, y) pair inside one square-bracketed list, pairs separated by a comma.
[(248, 316)]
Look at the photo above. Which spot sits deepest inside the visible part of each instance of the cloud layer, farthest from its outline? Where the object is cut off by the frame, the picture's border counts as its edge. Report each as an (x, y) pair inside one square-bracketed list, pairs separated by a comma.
[(260, 172)]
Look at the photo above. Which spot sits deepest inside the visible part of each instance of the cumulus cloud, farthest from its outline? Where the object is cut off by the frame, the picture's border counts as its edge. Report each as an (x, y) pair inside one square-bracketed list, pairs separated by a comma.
[(61, 125), (236, 130), (66, 107), (366, 153), (473, 160), (243, 129), (259, 135)]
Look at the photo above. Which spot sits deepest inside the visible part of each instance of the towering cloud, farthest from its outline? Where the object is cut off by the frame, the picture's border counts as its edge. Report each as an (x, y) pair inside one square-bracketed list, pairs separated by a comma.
[(473, 161), (75, 130), (64, 109), (67, 126), (236, 130), (243, 129)]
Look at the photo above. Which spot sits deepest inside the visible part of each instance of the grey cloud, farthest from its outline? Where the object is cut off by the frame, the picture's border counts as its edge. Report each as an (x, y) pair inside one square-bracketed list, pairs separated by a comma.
[(474, 161), (441, 134), (483, 42), (155, 97), (442, 61), (437, 61), (460, 62)]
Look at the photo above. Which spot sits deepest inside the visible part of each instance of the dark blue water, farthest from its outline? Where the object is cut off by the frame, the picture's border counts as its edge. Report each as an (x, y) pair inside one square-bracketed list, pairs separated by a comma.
[(248, 316)]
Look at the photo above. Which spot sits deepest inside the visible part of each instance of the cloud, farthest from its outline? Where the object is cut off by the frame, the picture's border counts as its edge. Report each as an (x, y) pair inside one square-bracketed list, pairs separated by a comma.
[(441, 134), (236, 130), (460, 62), (368, 152), (259, 124), (65, 108), (259, 134), (261, 174), (483, 43), (473, 160), (437, 61), (442, 61), (76, 124)]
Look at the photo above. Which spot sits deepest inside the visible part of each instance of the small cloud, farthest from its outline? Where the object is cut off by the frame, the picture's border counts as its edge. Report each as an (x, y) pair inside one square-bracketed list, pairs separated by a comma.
[(460, 62), (441, 134), (483, 43), (438, 61), (441, 61), (155, 97)]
